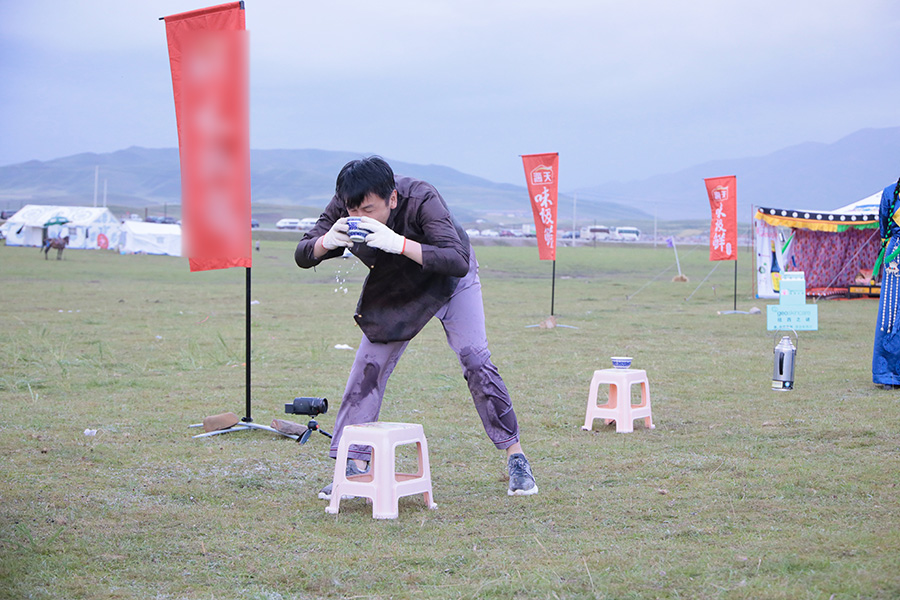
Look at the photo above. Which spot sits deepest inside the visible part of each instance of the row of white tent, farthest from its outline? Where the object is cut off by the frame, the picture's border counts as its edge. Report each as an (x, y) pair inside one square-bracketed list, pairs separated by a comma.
[(90, 228)]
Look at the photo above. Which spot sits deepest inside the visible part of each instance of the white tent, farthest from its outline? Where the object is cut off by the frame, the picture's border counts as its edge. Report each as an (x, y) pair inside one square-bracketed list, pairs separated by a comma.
[(150, 238), (87, 228)]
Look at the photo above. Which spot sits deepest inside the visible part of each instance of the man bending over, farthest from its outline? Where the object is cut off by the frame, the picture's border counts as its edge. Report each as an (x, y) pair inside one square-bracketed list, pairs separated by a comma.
[(421, 265)]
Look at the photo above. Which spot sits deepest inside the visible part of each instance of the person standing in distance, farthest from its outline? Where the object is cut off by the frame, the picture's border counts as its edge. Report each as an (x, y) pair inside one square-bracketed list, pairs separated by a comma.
[(421, 265)]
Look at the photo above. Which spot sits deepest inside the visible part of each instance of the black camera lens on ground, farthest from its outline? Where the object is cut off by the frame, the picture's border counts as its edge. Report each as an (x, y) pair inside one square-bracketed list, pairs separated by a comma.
[(312, 407), (307, 406)]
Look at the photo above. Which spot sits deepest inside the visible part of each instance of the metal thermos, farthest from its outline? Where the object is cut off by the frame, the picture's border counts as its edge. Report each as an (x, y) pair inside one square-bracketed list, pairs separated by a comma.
[(783, 373)]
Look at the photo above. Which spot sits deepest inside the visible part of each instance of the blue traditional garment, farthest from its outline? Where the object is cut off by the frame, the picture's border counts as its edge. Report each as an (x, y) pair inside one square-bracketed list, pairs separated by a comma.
[(886, 354)]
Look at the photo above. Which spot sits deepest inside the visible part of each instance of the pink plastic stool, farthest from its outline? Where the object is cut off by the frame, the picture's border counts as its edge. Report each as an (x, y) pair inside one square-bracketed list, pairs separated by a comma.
[(618, 408), (381, 484)]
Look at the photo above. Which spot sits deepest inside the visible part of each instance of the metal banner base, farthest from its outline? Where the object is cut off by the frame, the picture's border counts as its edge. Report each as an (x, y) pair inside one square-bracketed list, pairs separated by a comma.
[(242, 427)]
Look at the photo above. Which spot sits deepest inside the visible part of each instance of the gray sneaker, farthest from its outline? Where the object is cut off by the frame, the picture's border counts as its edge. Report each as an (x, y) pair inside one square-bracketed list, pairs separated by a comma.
[(352, 469), (521, 481)]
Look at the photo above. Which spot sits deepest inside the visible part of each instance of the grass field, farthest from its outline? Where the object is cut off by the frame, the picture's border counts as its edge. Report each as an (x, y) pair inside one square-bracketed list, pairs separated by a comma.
[(739, 491)]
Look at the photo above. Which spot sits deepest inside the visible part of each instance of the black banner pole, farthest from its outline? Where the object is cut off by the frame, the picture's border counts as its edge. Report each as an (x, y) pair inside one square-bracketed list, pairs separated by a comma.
[(553, 289), (247, 418), (735, 284)]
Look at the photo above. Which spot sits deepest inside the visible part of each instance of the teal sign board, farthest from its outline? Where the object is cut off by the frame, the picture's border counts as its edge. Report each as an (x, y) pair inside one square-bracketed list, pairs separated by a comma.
[(799, 317)]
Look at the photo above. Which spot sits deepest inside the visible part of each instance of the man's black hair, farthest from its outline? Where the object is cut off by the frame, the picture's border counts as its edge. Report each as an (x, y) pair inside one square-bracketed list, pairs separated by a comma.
[(362, 177)]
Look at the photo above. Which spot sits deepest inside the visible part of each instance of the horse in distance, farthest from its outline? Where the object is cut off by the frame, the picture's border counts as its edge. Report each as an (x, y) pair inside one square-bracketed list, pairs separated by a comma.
[(58, 243)]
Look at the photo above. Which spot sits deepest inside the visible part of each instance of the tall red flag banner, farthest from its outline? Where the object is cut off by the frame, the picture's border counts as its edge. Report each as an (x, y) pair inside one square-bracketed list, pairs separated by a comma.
[(210, 73), (541, 171), (723, 227)]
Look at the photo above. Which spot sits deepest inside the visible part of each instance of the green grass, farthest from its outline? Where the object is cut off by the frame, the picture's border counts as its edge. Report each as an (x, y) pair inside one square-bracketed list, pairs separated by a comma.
[(739, 493)]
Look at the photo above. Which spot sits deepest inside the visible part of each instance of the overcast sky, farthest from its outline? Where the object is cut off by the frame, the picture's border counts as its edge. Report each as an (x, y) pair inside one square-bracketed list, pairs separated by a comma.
[(621, 90)]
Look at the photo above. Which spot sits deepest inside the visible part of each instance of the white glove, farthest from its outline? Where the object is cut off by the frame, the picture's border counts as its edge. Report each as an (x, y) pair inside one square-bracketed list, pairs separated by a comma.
[(382, 237), (337, 237)]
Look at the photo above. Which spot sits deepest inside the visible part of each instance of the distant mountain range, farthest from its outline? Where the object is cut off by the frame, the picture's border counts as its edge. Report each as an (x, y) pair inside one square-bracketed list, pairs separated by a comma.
[(810, 175), (301, 181)]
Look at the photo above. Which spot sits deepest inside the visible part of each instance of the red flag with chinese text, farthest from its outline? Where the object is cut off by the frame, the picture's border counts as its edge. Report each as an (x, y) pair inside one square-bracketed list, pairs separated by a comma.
[(541, 172), (210, 73), (722, 193)]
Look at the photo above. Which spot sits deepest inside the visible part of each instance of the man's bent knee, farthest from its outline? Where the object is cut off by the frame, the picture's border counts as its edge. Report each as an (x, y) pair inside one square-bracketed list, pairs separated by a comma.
[(473, 359)]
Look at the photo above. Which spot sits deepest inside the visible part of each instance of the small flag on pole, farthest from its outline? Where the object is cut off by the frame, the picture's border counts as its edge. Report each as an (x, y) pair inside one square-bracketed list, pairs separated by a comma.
[(722, 193), (541, 173)]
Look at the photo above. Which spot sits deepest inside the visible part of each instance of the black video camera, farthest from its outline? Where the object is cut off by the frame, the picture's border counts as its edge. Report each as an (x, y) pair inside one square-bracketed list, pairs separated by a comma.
[(307, 406)]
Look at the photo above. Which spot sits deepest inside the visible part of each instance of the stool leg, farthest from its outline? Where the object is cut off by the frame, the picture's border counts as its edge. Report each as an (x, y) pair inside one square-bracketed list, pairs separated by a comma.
[(624, 424), (591, 405), (384, 498), (645, 402), (425, 471), (340, 475)]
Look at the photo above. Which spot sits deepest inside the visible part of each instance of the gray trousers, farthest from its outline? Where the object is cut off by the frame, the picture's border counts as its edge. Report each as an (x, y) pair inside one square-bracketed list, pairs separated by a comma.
[(463, 320)]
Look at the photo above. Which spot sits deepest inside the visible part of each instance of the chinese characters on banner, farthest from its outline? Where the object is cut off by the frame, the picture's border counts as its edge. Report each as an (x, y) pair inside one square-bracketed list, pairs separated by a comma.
[(541, 171), (722, 193), (210, 73)]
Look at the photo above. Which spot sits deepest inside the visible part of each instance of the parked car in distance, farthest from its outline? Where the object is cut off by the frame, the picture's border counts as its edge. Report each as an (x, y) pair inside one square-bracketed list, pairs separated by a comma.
[(288, 224), (628, 234), (595, 232), (166, 220), (254, 223)]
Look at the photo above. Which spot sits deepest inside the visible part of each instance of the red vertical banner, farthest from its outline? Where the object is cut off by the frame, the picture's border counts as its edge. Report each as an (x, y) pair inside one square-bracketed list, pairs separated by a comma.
[(541, 173), (723, 226), (210, 74)]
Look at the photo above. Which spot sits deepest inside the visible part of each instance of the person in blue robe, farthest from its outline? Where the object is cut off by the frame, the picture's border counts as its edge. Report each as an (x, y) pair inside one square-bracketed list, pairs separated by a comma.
[(886, 354)]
